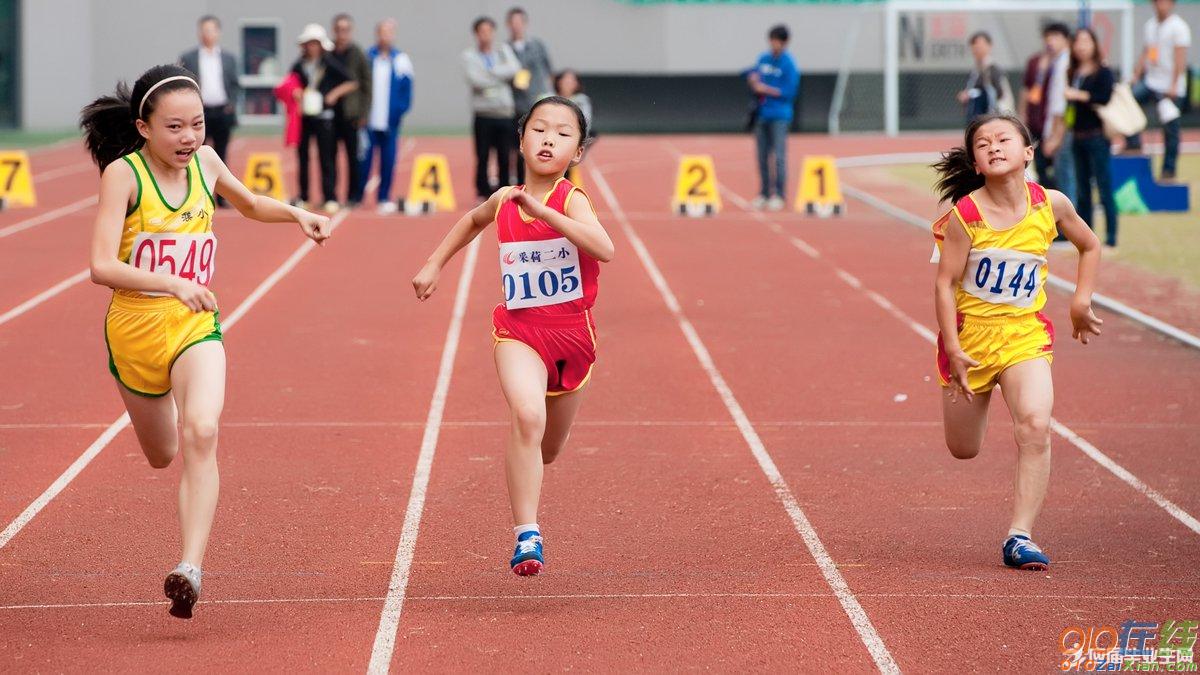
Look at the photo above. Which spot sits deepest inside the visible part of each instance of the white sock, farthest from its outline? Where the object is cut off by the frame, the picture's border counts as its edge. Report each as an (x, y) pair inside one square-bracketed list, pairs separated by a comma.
[(528, 527), (1016, 530)]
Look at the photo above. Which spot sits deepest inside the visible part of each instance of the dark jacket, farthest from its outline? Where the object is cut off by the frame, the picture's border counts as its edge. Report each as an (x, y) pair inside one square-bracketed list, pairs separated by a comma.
[(1099, 85), (334, 74), (355, 105), (534, 58), (191, 61)]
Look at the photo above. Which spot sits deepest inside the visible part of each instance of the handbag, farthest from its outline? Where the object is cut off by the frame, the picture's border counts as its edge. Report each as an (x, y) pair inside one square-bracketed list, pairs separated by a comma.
[(1122, 115)]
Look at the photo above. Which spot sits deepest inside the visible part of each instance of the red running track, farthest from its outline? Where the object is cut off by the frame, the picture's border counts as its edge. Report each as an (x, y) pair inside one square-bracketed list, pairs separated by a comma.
[(667, 545)]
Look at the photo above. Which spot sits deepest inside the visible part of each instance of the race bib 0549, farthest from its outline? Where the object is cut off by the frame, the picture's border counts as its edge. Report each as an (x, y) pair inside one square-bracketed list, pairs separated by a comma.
[(190, 256)]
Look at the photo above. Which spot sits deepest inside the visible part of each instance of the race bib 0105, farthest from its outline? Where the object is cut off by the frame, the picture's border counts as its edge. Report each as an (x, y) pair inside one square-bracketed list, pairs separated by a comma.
[(1003, 276), (540, 273), (190, 256)]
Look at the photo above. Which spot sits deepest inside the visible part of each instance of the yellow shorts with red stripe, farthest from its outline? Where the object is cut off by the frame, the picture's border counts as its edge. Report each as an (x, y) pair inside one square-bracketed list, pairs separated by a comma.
[(145, 336), (997, 343)]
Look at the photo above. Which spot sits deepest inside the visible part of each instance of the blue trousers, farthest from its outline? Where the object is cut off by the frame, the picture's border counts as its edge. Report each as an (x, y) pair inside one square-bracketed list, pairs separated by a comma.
[(771, 136), (1092, 156), (383, 142)]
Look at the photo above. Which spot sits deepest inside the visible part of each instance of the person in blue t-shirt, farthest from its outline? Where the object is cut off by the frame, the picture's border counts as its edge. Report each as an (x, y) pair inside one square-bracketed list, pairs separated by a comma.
[(774, 81)]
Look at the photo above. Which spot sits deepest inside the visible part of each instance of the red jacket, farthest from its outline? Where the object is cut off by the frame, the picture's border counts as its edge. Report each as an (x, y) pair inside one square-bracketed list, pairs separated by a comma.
[(286, 93)]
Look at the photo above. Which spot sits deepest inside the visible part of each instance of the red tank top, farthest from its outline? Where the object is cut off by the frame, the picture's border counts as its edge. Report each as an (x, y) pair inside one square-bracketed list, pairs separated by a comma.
[(541, 271)]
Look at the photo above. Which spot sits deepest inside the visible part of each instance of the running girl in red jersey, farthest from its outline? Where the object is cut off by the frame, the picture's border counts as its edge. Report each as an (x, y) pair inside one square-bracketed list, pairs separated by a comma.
[(551, 244)]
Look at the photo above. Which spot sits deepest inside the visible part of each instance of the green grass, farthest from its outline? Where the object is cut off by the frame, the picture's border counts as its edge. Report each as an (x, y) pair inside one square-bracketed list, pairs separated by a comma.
[(15, 139), (1162, 243)]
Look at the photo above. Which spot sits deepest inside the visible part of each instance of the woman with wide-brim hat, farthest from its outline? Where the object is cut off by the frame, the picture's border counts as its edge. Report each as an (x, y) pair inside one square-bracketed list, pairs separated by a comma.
[(323, 82)]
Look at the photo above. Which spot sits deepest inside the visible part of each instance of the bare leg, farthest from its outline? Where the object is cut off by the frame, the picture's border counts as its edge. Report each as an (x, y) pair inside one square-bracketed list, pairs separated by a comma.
[(1029, 392), (523, 381), (198, 380), (965, 423), (560, 416), (154, 422)]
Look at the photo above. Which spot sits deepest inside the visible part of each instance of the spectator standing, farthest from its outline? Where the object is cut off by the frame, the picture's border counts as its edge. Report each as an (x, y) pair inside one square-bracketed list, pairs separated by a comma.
[(1033, 97), (987, 89), (567, 85), (350, 115), (323, 83), (490, 69), (1056, 133), (775, 81), (391, 97), (1161, 77), (216, 71), (1091, 85), (532, 81)]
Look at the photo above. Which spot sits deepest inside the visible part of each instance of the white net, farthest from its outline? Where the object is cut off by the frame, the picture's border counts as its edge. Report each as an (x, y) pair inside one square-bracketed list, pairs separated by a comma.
[(929, 52)]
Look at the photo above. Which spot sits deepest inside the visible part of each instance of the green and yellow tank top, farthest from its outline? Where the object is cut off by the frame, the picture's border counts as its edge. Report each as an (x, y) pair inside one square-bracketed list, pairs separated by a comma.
[(166, 239)]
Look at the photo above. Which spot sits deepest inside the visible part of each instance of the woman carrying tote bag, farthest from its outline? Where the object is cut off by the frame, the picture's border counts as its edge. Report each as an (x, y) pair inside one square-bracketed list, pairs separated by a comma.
[(1091, 87)]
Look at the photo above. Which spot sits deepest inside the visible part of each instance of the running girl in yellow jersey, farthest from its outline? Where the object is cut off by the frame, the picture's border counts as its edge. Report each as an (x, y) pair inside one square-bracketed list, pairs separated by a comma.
[(153, 244), (988, 296)]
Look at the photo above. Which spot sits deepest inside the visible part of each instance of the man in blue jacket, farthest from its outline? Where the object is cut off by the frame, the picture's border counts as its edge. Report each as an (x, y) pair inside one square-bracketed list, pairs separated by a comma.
[(391, 96), (775, 81)]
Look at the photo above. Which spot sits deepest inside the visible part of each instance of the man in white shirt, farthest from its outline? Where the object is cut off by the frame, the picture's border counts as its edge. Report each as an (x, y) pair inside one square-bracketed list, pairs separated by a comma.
[(216, 71), (1161, 77), (391, 97)]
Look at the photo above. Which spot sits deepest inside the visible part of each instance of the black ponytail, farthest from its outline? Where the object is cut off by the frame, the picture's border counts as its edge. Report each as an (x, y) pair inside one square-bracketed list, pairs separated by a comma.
[(957, 176), (109, 122)]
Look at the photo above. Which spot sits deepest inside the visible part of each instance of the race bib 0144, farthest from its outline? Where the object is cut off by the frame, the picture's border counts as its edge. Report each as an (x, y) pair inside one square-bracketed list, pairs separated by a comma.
[(540, 273), (1003, 276)]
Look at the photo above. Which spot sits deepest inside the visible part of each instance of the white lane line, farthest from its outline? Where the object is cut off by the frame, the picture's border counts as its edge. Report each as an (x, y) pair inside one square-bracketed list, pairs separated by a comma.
[(858, 616), (44, 296), (123, 421), (1101, 300), (49, 216), (68, 170), (1058, 427), (389, 619), (607, 596)]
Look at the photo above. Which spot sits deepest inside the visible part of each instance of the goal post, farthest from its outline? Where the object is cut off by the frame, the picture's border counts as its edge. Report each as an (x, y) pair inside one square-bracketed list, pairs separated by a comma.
[(904, 23)]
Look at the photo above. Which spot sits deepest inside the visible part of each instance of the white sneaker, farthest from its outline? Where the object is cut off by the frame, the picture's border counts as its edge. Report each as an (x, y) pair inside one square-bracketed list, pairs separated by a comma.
[(331, 207), (775, 203), (759, 203), (387, 208)]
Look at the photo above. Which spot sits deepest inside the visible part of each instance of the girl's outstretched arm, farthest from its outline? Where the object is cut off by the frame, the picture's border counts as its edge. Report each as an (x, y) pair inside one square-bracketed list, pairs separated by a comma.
[(259, 207), (462, 233), (956, 247), (1083, 320), (117, 186), (579, 224)]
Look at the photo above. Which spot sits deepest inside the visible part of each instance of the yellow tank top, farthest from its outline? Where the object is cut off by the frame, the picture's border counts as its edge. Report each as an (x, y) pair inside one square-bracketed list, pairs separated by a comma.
[(1006, 269), (167, 239)]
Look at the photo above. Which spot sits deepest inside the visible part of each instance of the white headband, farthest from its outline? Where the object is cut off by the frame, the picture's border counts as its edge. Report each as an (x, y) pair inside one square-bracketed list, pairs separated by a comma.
[(142, 105)]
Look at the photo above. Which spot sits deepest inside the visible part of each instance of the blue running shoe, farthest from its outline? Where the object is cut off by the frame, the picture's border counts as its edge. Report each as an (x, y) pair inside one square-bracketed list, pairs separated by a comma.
[(1023, 554), (527, 559)]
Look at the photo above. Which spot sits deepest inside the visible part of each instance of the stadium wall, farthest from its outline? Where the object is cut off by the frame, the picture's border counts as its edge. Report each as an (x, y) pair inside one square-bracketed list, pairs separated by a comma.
[(648, 67)]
